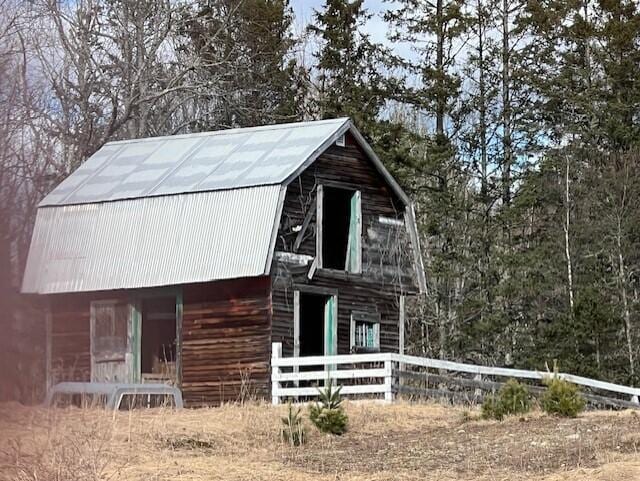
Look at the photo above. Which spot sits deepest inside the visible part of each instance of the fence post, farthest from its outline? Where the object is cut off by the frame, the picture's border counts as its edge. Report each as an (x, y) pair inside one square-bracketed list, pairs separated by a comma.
[(388, 380), (276, 354)]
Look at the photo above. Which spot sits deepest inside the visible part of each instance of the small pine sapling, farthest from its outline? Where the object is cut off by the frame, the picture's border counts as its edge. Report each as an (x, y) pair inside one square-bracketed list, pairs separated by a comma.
[(513, 398), (328, 414), (562, 398)]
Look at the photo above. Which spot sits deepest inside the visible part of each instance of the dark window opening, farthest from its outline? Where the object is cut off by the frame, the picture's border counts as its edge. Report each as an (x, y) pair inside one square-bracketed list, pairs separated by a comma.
[(312, 313), (338, 226), (158, 343)]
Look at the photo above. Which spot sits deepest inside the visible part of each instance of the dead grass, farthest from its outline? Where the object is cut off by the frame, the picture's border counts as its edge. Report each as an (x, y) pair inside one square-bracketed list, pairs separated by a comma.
[(399, 442)]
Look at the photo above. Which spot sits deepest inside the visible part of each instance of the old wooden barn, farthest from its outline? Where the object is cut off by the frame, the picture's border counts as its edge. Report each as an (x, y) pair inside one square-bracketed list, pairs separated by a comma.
[(183, 258)]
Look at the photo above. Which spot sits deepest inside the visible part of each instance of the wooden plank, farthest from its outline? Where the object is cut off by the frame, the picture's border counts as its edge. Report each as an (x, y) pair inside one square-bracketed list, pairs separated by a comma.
[(291, 258), (358, 267), (48, 341), (333, 374), (305, 224), (470, 368), (605, 386), (179, 340), (319, 221), (516, 373), (313, 268), (296, 324), (491, 386), (401, 314), (329, 360), (312, 391)]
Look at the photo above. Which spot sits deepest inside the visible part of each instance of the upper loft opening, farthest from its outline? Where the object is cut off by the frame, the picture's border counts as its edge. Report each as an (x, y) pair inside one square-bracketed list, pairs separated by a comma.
[(339, 236)]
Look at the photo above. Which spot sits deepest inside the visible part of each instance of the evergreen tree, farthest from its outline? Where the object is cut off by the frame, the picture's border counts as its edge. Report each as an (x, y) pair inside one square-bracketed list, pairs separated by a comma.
[(244, 50), (350, 66), (440, 182)]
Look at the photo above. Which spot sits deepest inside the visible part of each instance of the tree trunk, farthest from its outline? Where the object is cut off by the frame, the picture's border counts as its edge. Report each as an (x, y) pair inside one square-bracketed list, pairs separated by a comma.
[(506, 106), (622, 281), (566, 227), (440, 95)]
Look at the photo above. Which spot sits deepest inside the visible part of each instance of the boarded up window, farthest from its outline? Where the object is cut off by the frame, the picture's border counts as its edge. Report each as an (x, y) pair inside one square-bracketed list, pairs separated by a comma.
[(109, 330)]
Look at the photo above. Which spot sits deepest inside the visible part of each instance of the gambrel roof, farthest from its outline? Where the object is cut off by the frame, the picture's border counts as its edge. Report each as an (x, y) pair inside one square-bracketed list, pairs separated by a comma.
[(178, 209)]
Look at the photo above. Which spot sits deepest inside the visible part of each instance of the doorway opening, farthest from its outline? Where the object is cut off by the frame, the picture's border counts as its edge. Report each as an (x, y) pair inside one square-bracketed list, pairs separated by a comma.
[(312, 314), (316, 327), (158, 342)]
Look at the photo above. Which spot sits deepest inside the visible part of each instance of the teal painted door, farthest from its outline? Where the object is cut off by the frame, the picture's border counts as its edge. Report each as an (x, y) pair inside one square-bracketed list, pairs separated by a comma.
[(330, 326)]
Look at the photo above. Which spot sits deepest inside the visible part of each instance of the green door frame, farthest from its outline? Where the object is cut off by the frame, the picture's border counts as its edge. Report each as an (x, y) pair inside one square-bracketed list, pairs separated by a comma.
[(330, 318), (136, 299)]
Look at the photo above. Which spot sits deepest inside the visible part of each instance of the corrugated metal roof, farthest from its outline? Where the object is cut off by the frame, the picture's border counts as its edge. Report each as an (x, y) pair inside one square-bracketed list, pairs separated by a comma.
[(226, 159), (188, 208), (153, 241)]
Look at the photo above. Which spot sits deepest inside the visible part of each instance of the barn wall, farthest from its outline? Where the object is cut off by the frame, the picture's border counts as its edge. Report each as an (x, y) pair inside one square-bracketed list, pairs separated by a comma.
[(70, 335), (352, 296), (70, 358), (226, 332), (387, 263)]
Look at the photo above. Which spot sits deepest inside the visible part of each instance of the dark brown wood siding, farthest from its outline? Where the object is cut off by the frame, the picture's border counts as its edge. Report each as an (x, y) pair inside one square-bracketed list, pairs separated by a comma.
[(226, 332), (352, 296), (70, 343), (387, 261)]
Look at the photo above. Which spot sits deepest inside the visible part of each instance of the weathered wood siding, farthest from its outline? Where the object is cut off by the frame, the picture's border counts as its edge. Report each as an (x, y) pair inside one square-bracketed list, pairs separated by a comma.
[(387, 262), (70, 343), (226, 332), (353, 295)]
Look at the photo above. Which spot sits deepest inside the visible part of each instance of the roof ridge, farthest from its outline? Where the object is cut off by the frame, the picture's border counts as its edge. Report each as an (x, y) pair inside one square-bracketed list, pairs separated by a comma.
[(237, 130)]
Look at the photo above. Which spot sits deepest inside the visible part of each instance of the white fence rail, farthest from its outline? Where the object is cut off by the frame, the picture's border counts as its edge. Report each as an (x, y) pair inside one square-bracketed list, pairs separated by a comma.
[(382, 377)]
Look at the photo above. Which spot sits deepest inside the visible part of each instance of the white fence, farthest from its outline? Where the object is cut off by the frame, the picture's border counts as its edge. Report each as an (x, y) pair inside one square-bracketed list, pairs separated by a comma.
[(382, 371)]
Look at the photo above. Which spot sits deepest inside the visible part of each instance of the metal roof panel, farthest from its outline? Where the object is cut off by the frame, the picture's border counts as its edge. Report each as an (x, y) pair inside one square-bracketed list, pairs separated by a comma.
[(153, 241), (224, 159)]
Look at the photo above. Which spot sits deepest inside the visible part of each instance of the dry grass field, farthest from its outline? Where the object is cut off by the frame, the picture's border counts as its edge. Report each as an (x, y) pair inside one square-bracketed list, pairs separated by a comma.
[(396, 442)]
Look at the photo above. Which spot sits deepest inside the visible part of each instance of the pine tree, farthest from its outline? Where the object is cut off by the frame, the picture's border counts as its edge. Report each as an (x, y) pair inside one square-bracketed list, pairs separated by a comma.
[(349, 65), (440, 182), (244, 56)]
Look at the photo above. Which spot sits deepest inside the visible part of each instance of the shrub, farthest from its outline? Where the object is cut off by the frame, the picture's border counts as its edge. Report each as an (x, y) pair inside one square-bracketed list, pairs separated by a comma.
[(491, 408), (327, 414), (562, 398), (292, 427), (513, 398)]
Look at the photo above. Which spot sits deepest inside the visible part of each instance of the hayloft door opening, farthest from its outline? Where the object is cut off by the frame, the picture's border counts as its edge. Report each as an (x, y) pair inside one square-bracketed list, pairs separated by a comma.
[(316, 326), (338, 242), (158, 340)]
